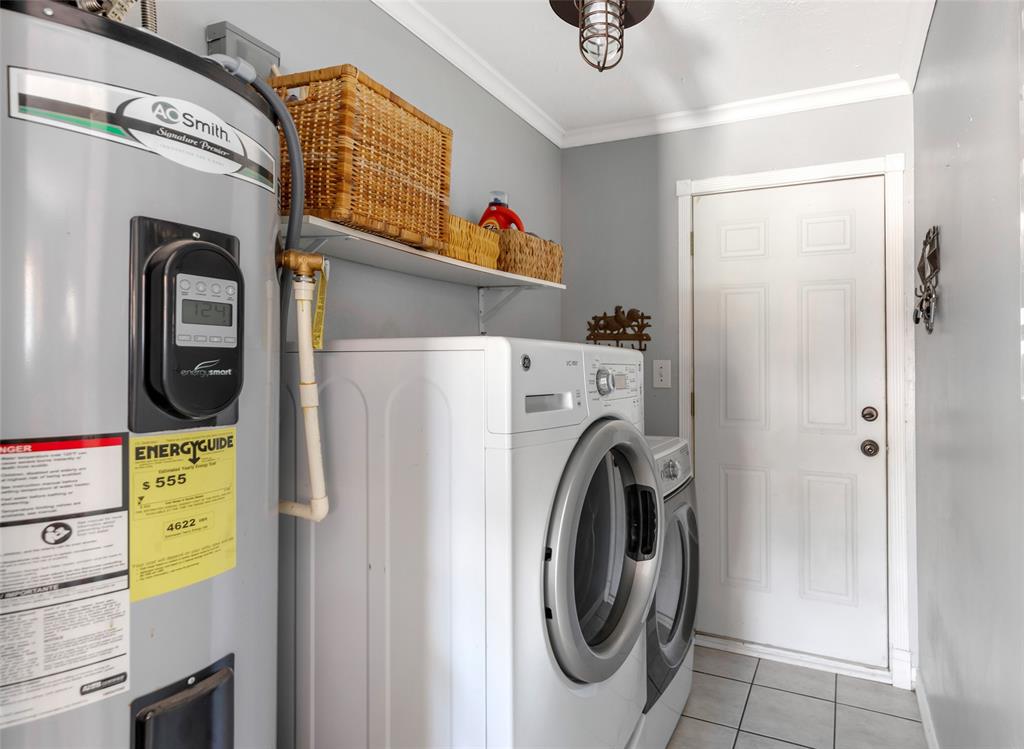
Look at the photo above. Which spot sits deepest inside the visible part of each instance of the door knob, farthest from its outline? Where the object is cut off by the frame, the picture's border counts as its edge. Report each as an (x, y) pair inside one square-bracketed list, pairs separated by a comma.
[(869, 448), (869, 413)]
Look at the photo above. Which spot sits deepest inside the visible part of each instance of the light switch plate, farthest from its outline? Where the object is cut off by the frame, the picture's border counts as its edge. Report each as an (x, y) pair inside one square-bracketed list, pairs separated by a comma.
[(662, 373)]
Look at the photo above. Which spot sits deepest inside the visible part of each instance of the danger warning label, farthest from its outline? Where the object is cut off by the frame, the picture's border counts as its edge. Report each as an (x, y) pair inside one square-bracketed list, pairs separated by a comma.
[(64, 633), (182, 509)]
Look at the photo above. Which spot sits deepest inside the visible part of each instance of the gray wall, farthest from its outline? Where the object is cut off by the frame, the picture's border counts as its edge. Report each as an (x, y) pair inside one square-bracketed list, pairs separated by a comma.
[(969, 410), (493, 149), (620, 224)]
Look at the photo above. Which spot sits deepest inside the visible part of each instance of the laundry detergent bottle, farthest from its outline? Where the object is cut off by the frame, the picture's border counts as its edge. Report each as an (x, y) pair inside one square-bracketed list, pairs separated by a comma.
[(498, 216)]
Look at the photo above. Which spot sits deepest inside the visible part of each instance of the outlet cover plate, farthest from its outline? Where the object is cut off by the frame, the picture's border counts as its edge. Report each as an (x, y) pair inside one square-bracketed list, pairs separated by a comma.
[(662, 373)]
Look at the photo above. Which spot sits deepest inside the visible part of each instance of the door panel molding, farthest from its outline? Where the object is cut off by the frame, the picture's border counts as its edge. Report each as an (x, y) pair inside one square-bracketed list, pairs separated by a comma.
[(745, 560), (743, 343), (828, 519), (744, 240), (900, 365), (818, 237), (820, 330)]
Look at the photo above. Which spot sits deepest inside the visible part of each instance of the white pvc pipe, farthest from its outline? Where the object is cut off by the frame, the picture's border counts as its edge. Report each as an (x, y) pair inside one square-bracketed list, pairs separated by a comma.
[(316, 509)]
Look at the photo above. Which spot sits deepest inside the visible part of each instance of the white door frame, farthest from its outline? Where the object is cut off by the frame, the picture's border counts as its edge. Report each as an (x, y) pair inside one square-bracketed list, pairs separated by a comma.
[(900, 388)]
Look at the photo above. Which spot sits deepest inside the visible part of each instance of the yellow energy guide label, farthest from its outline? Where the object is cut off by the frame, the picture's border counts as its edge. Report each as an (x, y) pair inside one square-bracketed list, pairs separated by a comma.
[(182, 509)]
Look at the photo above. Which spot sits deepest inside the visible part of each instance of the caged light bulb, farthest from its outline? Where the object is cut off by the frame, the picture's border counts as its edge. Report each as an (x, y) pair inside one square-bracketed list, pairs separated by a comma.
[(601, 31)]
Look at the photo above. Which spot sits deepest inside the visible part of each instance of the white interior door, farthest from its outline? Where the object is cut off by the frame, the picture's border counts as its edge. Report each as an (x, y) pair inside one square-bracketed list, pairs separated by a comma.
[(789, 349)]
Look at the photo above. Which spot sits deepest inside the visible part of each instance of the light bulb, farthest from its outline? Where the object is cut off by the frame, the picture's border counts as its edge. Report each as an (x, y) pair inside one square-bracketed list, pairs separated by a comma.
[(601, 31)]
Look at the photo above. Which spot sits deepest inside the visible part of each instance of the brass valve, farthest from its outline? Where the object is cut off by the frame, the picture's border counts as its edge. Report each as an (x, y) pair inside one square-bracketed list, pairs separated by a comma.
[(302, 264)]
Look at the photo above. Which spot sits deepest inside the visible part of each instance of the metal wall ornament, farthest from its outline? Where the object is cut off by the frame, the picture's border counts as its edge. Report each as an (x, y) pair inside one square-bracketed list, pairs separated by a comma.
[(927, 291), (602, 25), (620, 327)]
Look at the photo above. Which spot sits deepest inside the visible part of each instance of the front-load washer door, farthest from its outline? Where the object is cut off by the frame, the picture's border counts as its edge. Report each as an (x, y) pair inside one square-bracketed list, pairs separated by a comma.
[(670, 624), (603, 551)]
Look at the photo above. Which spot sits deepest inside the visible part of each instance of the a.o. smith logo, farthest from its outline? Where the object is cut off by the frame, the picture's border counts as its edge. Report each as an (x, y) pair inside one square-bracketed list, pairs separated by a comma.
[(166, 112), (172, 115), (206, 369)]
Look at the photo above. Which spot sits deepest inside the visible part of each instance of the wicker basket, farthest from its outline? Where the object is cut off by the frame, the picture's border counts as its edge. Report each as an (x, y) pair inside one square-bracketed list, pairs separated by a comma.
[(472, 243), (531, 256), (373, 161)]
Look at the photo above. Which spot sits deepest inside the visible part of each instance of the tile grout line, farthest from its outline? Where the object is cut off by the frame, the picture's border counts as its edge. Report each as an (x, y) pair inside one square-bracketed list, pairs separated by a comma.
[(765, 686), (835, 701), (810, 696), (750, 688), (751, 733), (772, 738), (879, 712)]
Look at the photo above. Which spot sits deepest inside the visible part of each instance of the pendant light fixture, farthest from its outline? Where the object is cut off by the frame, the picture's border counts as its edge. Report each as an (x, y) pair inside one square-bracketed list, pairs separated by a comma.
[(602, 25)]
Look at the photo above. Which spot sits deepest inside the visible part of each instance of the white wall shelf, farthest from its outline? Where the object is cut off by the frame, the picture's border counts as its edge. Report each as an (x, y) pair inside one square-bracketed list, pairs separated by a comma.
[(345, 243)]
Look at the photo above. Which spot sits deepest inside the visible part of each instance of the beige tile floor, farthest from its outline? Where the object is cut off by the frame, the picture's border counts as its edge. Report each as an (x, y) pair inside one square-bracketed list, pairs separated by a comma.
[(740, 702)]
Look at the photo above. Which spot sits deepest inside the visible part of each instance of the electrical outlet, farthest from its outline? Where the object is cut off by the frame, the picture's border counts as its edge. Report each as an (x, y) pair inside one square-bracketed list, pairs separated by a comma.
[(662, 373)]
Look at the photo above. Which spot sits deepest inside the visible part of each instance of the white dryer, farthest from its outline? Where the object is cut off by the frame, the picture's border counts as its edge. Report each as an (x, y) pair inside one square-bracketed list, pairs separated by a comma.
[(485, 573), (672, 618)]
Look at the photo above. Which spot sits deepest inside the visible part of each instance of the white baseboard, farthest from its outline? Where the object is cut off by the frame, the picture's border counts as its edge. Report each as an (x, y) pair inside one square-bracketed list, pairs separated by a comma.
[(901, 665), (926, 713), (795, 658)]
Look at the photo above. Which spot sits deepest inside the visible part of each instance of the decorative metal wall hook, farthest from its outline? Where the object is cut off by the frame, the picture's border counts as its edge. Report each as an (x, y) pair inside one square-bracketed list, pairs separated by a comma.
[(927, 291), (621, 326)]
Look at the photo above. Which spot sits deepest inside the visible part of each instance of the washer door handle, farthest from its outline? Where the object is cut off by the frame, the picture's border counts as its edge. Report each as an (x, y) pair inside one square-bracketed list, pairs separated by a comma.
[(641, 522)]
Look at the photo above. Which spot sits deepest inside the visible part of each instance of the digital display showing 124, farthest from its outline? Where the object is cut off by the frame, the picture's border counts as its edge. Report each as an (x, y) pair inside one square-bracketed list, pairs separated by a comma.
[(198, 312)]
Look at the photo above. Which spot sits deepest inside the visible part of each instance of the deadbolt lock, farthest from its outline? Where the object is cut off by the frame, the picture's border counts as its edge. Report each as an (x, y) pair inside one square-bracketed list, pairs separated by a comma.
[(869, 413), (869, 448)]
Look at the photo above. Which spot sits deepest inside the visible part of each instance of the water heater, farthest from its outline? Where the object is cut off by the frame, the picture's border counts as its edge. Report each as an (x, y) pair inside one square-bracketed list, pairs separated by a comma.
[(138, 391)]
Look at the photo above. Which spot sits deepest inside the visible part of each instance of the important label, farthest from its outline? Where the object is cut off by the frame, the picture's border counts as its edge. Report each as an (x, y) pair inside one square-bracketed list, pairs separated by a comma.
[(182, 509), (63, 574)]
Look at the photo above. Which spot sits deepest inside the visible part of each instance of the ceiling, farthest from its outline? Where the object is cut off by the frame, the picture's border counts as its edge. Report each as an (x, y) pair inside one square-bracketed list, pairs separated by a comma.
[(692, 63)]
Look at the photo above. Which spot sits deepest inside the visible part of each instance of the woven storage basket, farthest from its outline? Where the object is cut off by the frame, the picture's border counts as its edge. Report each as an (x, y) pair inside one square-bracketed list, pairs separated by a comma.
[(373, 161), (532, 256), (472, 243)]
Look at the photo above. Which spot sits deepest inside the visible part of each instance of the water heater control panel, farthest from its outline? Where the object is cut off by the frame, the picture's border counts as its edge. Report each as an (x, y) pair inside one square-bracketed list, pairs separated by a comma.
[(187, 309), (206, 312)]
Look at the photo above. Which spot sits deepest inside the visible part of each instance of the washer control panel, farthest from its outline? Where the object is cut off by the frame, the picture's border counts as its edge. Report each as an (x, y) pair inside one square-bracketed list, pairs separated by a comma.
[(615, 383), (207, 312), (613, 380)]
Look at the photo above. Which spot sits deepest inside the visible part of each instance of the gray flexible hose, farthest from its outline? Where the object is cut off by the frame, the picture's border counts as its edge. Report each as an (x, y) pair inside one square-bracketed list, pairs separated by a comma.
[(242, 69), (298, 169)]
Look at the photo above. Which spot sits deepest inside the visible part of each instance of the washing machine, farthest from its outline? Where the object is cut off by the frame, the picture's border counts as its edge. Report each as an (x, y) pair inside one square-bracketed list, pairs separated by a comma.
[(670, 622), (485, 573)]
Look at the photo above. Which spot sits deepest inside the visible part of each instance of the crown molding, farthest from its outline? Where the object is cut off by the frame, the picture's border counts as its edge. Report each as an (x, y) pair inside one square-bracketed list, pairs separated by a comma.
[(918, 23), (852, 92), (417, 19), (412, 15)]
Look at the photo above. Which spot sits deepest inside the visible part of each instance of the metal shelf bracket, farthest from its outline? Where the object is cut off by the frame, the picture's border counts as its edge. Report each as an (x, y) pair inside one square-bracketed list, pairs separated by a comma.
[(485, 312), (313, 245)]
